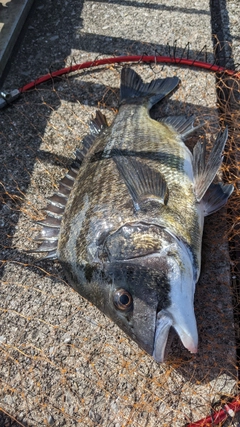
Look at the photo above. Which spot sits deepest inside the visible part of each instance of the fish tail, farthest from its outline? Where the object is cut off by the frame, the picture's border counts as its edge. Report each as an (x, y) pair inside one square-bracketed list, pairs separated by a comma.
[(132, 86)]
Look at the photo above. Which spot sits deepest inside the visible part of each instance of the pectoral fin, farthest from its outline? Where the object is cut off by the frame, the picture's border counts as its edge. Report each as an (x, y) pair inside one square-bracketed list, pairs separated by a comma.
[(144, 183)]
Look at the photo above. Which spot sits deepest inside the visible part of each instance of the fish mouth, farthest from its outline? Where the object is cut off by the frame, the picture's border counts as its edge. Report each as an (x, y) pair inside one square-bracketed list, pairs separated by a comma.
[(163, 325), (185, 326)]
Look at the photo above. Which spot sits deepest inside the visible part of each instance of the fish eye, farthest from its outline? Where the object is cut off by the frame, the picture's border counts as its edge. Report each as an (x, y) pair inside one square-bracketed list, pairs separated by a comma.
[(122, 299)]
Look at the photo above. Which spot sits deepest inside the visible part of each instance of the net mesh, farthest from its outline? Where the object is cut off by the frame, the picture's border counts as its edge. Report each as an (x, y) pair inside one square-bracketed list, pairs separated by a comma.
[(63, 363)]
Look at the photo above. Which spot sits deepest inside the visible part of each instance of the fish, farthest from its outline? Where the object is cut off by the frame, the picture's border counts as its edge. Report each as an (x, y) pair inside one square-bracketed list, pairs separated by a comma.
[(127, 220)]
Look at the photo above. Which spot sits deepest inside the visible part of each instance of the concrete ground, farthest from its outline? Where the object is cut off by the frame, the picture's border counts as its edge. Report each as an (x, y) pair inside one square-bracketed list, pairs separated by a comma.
[(62, 362)]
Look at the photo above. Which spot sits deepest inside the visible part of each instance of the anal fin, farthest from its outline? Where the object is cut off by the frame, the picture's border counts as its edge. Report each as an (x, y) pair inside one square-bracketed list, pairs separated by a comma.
[(181, 124), (215, 197), (205, 172)]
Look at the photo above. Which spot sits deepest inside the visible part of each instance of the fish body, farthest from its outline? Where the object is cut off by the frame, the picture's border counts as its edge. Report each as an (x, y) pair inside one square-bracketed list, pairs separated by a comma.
[(131, 224)]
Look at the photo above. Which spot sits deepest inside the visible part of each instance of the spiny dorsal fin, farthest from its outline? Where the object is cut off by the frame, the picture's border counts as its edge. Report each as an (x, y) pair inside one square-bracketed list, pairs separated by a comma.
[(205, 172), (215, 197), (181, 124), (49, 234), (98, 123), (132, 86), (144, 183)]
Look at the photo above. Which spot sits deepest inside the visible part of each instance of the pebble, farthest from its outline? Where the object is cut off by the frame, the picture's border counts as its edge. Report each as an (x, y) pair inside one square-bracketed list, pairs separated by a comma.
[(51, 420)]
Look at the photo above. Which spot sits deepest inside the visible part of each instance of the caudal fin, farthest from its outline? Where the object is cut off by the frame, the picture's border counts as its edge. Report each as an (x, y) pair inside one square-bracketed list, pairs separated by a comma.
[(132, 86)]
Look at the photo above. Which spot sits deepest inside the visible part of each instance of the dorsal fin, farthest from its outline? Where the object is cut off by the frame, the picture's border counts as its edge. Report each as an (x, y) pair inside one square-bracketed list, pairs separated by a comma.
[(49, 234), (205, 172), (181, 124), (98, 124), (144, 184)]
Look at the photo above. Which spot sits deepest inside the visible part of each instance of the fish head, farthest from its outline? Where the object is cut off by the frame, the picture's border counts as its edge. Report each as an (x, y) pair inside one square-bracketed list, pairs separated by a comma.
[(150, 287)]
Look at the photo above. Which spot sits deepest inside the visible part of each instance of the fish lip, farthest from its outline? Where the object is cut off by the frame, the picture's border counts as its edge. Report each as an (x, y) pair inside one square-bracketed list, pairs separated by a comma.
[(164, 321), (180, 314), (189, 340), (163, 325)]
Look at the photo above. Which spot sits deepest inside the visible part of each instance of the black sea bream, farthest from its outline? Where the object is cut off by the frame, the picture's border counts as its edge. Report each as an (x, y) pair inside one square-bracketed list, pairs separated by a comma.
[(127, 221)]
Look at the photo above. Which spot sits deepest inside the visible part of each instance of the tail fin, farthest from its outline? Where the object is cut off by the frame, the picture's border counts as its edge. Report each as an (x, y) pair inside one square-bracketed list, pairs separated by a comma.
[(132, 86)]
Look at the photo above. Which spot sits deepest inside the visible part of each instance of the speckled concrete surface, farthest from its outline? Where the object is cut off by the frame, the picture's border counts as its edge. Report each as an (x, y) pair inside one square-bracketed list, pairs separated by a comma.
[(62, 362)]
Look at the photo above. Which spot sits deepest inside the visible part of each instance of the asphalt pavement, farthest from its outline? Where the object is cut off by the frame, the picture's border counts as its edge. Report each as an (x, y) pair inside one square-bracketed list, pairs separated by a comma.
[(62, 362)]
